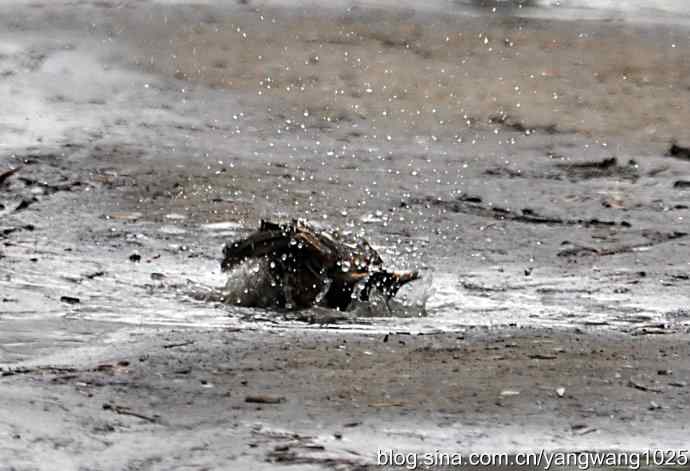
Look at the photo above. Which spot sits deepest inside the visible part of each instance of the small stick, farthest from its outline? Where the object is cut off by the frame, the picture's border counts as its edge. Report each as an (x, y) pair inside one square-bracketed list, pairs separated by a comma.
[(5, 175), (181, 344), (121, 410)]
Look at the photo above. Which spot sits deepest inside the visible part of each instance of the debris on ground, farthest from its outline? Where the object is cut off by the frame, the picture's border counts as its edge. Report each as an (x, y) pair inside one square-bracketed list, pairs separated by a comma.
[(8, 173), (642, 387), (604, 168), (582, 429), (124, 410), (509, 392), (473, 207), (5, 231), (69, 300), (678, 151), (25, 203), (264, 399), (654, 405), (514, 124)]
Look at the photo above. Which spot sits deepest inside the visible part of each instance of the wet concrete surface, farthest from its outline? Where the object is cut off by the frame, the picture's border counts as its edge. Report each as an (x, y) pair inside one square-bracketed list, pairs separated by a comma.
[(553, 238)]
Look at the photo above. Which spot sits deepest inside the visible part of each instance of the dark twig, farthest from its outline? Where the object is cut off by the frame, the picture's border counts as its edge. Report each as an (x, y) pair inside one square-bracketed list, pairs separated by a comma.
[(7, 174), (180, 344), (122, 410)]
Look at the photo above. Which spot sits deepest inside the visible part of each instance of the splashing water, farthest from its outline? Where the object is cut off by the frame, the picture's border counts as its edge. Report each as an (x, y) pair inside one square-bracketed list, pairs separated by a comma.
[(251, 284)]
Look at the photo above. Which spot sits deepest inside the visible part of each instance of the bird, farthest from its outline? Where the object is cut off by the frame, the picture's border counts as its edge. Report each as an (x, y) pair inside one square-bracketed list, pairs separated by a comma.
[(311, 266)]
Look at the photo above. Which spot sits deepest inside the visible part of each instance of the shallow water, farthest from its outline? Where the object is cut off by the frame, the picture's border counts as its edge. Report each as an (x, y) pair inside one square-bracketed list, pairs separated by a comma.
[(168, 292), (230, 149), (674, 11)]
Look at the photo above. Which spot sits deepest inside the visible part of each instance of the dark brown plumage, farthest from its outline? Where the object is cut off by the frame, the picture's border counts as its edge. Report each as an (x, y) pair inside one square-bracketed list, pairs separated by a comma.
[(313, 266)]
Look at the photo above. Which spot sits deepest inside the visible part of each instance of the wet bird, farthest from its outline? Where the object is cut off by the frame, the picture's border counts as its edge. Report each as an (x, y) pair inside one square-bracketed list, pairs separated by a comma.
[(310, 266)]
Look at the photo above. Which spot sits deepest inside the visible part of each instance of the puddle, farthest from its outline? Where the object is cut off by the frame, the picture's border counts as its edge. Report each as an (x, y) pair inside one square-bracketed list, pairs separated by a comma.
[(168, 290), (179, 287)]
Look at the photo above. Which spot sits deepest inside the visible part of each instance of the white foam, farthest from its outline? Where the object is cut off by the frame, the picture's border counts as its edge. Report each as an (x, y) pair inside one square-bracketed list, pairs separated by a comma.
[(222, 226)]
